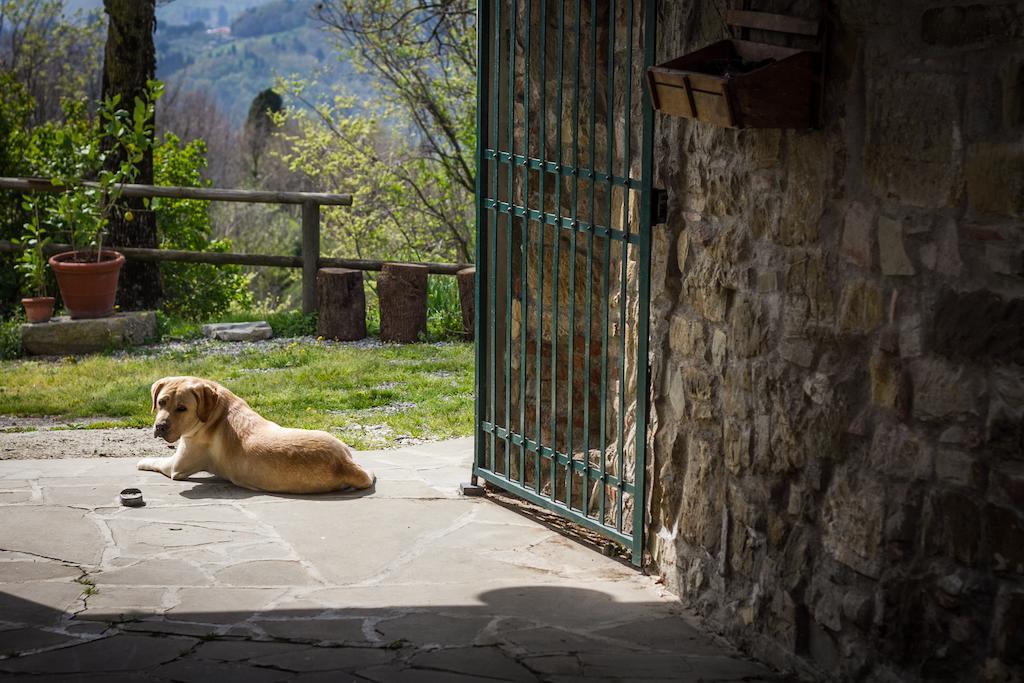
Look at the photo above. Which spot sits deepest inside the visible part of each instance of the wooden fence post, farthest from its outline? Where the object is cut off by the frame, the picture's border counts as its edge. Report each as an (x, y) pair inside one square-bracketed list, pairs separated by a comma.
[(467, 292), (310, 254)]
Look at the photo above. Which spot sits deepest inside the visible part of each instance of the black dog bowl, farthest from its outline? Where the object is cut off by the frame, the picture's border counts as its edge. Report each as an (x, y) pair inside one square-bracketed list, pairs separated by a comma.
[(132, 498)]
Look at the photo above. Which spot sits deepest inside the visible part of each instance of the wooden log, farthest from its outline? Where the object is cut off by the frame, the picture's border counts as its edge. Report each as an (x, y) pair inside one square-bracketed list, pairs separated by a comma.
[(467, 292), (342, 304), (402, 297), (224, 258), (213, 194)]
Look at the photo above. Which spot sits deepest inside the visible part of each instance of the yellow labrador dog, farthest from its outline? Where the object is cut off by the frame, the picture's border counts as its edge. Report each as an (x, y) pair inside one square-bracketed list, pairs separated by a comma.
[(217, 432)]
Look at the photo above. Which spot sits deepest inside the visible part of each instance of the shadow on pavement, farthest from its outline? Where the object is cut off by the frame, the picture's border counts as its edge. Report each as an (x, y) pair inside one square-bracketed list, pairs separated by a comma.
[(522, 633)]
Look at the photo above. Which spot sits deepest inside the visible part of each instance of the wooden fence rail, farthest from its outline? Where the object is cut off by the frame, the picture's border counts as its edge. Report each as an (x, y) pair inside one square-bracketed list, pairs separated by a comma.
[(310, 261)]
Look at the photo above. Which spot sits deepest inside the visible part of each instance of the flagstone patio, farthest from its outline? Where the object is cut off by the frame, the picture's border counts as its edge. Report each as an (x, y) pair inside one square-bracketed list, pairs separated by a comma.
[(410, 582)]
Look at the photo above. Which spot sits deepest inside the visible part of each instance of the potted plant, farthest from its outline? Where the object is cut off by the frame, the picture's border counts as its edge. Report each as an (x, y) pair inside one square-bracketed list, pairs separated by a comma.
[(32, 265), (88, 274)]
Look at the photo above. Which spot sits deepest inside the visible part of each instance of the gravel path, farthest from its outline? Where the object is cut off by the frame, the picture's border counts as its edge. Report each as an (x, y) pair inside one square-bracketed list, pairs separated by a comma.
[(46, 444)]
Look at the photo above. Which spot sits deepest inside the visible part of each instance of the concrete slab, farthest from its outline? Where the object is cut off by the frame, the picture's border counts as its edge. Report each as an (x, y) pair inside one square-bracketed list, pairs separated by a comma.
[(409, 583)]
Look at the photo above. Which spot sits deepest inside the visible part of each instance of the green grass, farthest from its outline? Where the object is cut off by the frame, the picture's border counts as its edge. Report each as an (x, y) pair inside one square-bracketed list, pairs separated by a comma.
[(366, 396)]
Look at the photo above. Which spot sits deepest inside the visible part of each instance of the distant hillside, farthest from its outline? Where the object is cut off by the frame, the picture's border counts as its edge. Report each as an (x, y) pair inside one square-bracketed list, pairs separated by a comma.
[(236, 48), (276, 16)]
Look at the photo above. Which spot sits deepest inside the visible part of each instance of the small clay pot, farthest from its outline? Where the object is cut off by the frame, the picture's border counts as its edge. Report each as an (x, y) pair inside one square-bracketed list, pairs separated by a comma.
[(38, 309)]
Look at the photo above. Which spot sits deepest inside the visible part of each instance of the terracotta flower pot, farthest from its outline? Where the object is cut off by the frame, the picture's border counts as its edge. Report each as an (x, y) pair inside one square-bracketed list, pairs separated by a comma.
[(87, 286), (38, 309)]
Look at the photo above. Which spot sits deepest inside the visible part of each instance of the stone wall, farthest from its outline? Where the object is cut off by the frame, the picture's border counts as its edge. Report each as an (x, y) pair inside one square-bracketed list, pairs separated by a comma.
[(837, 475)]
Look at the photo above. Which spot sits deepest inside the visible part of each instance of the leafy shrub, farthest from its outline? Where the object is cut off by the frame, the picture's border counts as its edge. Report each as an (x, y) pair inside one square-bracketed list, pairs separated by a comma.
[(292, 323), (192, 291)]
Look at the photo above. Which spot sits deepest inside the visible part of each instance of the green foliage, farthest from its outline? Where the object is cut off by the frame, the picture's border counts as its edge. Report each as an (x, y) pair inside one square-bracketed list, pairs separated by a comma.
[(10, 338), (32, 261), (292, 324), (15, 109), (407, 154), (444, 308), (83, 212), (192, 291)]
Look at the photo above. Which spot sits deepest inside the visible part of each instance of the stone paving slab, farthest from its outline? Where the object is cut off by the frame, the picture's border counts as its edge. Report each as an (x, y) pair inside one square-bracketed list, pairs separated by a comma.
[(408, 582)]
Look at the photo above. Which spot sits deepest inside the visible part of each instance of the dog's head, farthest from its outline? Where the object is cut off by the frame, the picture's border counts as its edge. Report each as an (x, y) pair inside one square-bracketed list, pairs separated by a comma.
[(182, 405)]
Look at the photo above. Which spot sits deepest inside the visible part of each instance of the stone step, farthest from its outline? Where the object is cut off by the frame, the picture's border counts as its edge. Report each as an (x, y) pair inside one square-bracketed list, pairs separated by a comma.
[(62, 336)]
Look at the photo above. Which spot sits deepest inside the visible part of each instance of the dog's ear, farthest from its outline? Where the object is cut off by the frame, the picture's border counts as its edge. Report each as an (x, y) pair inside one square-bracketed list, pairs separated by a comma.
[(207, 397), (157, 388)]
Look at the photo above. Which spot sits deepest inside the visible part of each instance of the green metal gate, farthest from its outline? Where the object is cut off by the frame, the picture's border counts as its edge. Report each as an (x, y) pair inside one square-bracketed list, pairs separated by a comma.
[(564, 205)]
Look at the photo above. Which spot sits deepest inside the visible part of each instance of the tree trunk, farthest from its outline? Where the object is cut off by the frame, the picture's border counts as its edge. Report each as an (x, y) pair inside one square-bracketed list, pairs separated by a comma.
[(128, 63)]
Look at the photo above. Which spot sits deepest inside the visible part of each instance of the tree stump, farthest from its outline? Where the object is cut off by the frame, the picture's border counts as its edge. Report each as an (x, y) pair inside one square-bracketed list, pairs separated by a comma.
[(341, 303), (467, 290), (402, 296)]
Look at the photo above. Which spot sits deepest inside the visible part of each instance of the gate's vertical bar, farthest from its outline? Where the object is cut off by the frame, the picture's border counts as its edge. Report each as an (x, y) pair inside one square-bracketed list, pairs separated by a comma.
[(482, 220), (574, 225), (590, 257), (555, 286), (508, 233), (523, 289), (541, 227), (626, 173), (492, 311), (643, 299), (610, 116)]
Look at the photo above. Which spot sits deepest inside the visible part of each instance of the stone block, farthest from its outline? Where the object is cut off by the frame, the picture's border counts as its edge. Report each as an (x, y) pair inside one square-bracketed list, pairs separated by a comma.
[(912, 153), (737, 446), (892, 255), (63, 336), (860, 307), (768, 281), (979, 325), (953, 525), (797, 350), (747, 330), (853, 518), (402, 296), (803, 202), (959, 468), (252, 331), (1004, 529), (911, 336), (686, 337), (341, 302), (942, 254), (943, 390), (700, 519), (898, 453), (995, 178), (1008, 631), (884, 371), (858, 236), (1004, 424), (858, 607), (1004, 260), (719, 350)]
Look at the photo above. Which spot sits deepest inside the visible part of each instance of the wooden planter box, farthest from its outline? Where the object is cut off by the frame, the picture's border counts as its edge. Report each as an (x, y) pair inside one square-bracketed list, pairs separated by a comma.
[(712, 84)]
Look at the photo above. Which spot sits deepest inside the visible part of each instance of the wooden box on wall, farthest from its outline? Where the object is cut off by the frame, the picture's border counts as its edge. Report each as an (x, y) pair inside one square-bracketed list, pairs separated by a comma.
[(745, 84)]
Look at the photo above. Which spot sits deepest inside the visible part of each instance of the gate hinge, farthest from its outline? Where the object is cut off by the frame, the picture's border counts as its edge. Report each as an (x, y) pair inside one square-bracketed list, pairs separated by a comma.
[(659, 206)]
